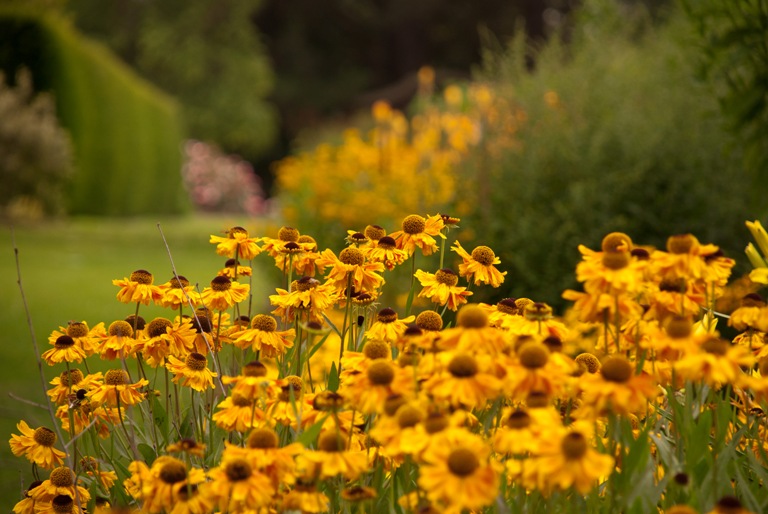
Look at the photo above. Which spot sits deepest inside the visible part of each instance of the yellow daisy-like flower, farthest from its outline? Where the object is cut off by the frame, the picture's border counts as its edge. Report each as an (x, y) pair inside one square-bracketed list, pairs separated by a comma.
[(274, 247), (233, 269), (464, 380), (367, 391), (351, 262), (61, 482), (309, 294), (177, 293), (105, 478), (264, 337), (334, 458), (305, 498), (158, 486), (716, 362), (70, 382), (236, 487), (138, 288), (388, 327), (616, 388), (473, 333), (752, 313), (238, 412), (479, 265), (192, 372), (118, 342), (87, 414), (64, 350), (87, 339), (237, 244), (458, 473), (685, 258), (37, 446), (567, 461), (441, 288), (385, 250), (117, 387), (224, 293), (419, 232)]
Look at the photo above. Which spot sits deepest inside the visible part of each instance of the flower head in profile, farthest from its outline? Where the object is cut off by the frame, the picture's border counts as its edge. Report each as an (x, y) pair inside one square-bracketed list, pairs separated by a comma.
[(385, 250), (178, 292), (235, 486), (64, 350), (118, 341), (87, 339), (117, 387), (237, 244), (37, 446), (388, 327), (308, 294), (192, 372), (138, 288), (351, 264), (334, 457), (224, 293), (442, 288), (264, 337), (61, 482), (419, 232), (479, 265)]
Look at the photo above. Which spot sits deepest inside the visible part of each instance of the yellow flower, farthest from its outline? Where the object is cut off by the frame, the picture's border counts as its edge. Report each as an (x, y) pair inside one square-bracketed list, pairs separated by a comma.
[(64, 350), (479, 265), (116, 387), (86, 414), (236, 487), (367, 391), (464, 380), (334, 457), (351, 263), (472, 333), (237, 243), (159, 485), (61, 482), (224, 293), (388, 327), (177, 293), (458, 473), (87, 339), (264, 337), (441, 288), (567, 460), (192, 372), (309, 294), (419, 232), (37, 446), (716, 362), (138, 288), (305, 498), (238, 412), (118, 341), (233, 269), (69, 382), (616, 388), (385, 250)]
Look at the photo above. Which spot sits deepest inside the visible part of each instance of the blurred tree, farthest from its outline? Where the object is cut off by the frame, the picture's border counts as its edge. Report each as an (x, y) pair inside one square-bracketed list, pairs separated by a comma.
[(733, 41), (206, 53)]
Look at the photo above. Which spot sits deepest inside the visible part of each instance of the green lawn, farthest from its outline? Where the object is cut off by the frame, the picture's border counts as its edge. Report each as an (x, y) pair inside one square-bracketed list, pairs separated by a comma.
[(67, 268)]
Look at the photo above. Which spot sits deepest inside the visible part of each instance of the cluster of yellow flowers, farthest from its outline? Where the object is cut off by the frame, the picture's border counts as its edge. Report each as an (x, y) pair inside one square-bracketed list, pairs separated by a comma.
[(401, 164), (331, 403)]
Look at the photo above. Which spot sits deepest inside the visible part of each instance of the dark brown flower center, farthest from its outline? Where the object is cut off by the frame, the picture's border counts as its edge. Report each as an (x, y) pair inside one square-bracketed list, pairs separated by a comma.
[(221, 283), (172, 471), (331, 442), (616, 242), (429, 320), (381, 372), (447, 276), (116, 377), (306, 283), (264, 322), (121, 328), (507, 306), (375, 232), (196, 361), (483, 255), (472, 316), (237, 470), (61, 477), (77, 329), (414, 224), (352, 256), (64, 342), (71, 377), (681, 243), (518, 420), (533, 355), (574, 446), (157, 327), (377, 350), (386, 315), (463, 462), (288, 234), (263, 438), (45, 437), (617, 369), (463, 366), (255, 369), (142, 277), (409, 416)]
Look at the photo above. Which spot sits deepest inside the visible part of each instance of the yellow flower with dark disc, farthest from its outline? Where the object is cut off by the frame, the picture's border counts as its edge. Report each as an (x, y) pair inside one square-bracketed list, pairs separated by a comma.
[(138, 288), (442, 288), (191, 372), (37, 446), (223, 293), (479, 265), (237, 244)]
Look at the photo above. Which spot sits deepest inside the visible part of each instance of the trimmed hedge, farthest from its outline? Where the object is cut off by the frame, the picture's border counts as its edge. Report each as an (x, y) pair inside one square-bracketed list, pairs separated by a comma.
[(127, 135)]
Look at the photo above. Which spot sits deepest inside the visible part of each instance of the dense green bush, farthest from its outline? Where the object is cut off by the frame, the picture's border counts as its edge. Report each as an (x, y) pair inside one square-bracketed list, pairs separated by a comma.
[(619, 136), (126, 135), (36, 152)]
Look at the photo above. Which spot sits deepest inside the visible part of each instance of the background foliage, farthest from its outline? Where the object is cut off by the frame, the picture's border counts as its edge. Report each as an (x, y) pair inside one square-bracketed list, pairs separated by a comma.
[(126, 134), (36, 162)]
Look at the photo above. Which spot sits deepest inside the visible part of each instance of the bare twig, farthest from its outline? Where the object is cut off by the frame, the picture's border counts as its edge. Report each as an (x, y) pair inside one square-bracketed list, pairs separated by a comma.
[(194, 313), (28, 402)]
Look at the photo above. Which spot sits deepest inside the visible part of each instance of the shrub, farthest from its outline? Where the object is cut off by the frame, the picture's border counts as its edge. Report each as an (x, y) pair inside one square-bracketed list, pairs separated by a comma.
[(221, 183), (37, 153)]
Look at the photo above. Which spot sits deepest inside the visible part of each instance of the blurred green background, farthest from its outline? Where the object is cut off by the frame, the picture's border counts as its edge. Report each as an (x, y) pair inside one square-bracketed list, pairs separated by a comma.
[(581, 118)]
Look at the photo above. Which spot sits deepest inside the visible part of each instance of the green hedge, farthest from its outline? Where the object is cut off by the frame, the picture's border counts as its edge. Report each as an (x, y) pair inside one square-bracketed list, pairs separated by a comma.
[(127, 135)]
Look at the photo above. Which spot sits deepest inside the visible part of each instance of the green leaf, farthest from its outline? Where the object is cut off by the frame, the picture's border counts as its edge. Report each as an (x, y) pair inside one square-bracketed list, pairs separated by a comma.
[(317, 346), (333, 378), (309, 436), (147, 452)]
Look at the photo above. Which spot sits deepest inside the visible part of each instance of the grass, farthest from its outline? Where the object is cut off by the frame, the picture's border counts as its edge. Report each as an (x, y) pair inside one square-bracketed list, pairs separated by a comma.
[(67, 268)]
